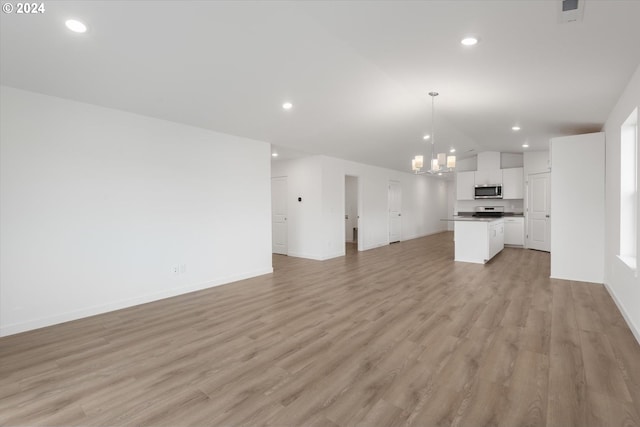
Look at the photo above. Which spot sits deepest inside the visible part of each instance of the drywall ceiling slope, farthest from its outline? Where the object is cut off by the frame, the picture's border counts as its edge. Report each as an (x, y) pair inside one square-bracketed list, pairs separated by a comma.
[(357, 72)]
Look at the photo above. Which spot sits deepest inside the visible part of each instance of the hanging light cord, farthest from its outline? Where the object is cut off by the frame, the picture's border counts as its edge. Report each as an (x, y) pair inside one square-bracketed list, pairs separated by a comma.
[(433, 128)]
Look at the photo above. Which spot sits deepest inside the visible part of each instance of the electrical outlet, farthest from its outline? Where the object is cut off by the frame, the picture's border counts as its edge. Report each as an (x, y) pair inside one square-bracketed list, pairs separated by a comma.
[(175, 269)]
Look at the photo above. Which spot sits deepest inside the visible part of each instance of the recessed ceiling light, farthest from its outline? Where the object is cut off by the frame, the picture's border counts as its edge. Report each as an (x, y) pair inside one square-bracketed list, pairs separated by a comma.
[(469, 41), (274, 154), (525, 145), (426, 137), (439, 173), (287, 106), (515, 128), (75, 26), (453, 150)]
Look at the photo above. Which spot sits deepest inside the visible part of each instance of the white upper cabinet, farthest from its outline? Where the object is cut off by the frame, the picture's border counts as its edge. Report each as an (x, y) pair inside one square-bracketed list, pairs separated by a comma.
[(489, 172), (465, 181), (513, 183), (488, 177)]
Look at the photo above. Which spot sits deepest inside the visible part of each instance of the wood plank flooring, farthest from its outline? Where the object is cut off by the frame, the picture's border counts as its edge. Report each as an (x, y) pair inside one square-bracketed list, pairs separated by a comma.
[(396, 336)]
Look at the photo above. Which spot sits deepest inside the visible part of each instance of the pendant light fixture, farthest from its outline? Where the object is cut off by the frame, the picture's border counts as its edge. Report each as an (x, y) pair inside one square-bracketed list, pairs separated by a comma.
[(437, 163)]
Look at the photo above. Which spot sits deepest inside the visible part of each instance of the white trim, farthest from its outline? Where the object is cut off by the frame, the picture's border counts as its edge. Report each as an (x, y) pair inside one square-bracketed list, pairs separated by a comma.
[(630, 262), (335, 255), (574, 279), (118, 305), (374, 246), (634, 330), (316, 257)]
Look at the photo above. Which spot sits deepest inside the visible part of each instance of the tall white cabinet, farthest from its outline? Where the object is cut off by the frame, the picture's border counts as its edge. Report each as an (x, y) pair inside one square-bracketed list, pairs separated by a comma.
[(513, 183), (578, 208)]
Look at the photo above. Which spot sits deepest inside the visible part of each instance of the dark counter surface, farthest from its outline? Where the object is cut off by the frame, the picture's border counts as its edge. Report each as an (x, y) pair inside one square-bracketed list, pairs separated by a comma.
[(516, 214)]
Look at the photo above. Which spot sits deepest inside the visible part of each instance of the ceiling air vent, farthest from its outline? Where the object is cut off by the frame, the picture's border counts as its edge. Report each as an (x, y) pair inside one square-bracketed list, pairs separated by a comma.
[(571, 10)]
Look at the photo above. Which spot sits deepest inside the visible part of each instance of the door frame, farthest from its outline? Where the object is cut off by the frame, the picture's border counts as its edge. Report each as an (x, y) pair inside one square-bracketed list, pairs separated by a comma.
[(527, 208), (286, 214), (358, 207), (389, 211)]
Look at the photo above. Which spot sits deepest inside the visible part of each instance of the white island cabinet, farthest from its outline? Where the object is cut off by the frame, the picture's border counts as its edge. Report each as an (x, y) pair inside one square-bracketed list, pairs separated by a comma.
[(478, 240)]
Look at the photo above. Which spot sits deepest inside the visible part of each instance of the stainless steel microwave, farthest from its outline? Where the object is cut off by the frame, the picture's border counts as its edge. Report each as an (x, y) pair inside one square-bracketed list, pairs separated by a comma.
[(488, 192)]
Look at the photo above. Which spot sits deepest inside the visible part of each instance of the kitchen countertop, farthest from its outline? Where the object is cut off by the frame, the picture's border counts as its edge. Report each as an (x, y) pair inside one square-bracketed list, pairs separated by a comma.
[(516, 214), (472, 219)]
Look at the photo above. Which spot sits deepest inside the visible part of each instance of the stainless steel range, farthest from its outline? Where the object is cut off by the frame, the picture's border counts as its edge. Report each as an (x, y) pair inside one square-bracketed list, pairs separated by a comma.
[(489, 211)]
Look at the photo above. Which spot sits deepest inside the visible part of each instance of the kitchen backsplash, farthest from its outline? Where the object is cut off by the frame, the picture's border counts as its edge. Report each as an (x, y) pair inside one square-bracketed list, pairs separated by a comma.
[(515, 206)]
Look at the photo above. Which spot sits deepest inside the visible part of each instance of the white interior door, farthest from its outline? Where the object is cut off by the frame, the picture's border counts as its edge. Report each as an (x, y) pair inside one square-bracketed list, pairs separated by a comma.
[(395, 214), (539, 212), (279, 232), (350, 207)]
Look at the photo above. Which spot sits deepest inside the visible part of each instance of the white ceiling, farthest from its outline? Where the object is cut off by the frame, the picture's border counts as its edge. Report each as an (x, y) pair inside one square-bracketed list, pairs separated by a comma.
[(358, 72)]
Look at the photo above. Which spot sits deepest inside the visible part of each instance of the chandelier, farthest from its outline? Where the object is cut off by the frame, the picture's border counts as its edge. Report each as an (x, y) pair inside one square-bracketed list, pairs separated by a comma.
[(440, 162)]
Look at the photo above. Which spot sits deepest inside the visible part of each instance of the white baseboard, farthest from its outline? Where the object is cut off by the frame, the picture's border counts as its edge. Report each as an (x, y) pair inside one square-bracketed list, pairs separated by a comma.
[(335, 255), (373, 246), (305, 256), (634, 329), (118, 305), (577, 279), (316, 257)]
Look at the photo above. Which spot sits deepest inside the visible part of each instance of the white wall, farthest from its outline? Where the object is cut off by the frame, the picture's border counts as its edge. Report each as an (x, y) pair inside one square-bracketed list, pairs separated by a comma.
[(305, 181), (577, 208), (320, 180), (333, 191), (468, 164), (536, 162), (97, 206), (622, 283), (451, 202), (511, 160)]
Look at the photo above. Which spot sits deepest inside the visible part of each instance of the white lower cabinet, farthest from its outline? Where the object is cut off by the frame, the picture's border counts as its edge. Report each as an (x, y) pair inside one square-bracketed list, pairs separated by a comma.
[(514, 231)]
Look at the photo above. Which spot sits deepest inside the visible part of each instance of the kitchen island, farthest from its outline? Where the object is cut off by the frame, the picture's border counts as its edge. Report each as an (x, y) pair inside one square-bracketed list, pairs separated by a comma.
[(477, 240)]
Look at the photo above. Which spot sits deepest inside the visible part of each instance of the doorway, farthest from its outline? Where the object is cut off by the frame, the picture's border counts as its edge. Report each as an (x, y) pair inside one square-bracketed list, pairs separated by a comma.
[(279, 228), (395, 214), (539, 212), (351, 213)]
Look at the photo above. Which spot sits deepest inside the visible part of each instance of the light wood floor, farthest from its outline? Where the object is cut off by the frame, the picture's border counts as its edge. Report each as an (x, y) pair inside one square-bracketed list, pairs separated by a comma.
[(396, 336)]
